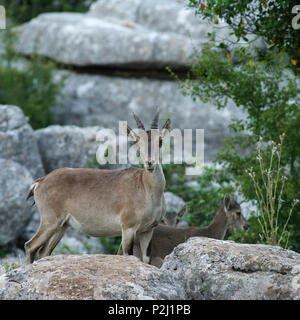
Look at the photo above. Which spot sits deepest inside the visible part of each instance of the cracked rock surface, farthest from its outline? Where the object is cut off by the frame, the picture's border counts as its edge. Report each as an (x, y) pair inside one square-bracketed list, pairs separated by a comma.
[(17, 140), (216, 269), (198, 269), (15, 214), (88, 277)]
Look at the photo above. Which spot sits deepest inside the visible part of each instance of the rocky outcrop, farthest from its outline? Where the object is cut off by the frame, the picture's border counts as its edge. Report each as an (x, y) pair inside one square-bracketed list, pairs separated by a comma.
[(118, 53), (98, 100), (149, 34), (216, 269), (87, 277), (20, 164), (81, 40), (173, 202), (200, 268), (164, 16), (67, 146), (17, 140), (15, 213)]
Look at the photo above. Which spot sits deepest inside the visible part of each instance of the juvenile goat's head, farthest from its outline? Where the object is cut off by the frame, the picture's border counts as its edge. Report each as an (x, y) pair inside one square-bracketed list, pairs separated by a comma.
[(234, 214), (171, 218), (149, 142)]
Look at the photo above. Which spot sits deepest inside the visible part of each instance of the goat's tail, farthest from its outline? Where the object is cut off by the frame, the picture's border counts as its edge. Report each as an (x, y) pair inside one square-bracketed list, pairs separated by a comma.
[(32, 189)]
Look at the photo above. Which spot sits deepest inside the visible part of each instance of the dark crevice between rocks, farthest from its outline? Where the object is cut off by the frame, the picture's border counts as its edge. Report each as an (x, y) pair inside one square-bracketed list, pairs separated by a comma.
[(258, 270), (127, 72), (130, 70)]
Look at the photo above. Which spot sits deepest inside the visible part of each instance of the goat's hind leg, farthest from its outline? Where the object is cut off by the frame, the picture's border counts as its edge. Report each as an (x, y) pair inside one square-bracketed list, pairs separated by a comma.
[(50, 245), (48, 227), (38, 241)]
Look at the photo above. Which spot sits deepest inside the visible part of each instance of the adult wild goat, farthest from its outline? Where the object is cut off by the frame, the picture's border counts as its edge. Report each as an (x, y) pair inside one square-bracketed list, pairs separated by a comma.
[(103, 203)]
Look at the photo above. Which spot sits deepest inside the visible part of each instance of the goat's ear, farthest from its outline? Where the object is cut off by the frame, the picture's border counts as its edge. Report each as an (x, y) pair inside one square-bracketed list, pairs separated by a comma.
[(132, 134), (182, 212), (227, 201), (165, 128)]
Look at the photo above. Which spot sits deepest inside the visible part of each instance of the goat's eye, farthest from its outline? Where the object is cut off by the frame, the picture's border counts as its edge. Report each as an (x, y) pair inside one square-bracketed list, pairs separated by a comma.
[(238, 213)]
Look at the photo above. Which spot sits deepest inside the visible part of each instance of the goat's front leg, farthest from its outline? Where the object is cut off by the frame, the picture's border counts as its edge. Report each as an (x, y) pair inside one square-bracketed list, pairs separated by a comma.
[(145, 239), (128, 236)]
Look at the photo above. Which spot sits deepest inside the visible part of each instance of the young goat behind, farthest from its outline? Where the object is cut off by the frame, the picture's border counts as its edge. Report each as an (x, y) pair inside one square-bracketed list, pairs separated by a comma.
[(165, 238)]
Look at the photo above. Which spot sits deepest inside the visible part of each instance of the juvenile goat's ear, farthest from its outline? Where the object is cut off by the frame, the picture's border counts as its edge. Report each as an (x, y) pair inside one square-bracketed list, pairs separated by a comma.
[(227, 201), (182, 212), (132, 134)]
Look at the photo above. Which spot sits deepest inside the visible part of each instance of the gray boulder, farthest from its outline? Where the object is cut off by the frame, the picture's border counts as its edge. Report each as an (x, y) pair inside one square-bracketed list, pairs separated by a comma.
[(173, 202), (88, 277), (17, 140), (164, 16), (15, 213), (168, 16), (67, 146), (216, 269), (149, 34), (82, 40), (76, 243), (95, 100)]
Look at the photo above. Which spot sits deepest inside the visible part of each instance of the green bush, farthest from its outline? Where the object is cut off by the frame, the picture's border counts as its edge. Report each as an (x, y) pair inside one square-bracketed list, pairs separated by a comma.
[(21, 11), (31, 87), (204, 200), (265, 84), (270, 20), (111, 245), (269, 93)]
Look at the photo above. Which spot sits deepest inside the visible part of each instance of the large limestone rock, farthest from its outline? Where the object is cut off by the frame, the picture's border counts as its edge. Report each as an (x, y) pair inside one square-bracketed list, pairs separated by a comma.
[(20, 164), (15, 213), (216, 269), (82, 40), (149, 35), (164, 16), (173, 202), (87, 277), (201, 268), (67, 146), (17, 140), (121, 49), (97, 100)]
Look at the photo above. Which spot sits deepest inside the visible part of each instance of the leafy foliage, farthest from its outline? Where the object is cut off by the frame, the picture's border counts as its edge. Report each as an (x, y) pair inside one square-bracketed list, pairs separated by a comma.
[(111, 245), (31, 87), (203, 195), (21, 11), (269, 187), (271, 20), (269, 94)]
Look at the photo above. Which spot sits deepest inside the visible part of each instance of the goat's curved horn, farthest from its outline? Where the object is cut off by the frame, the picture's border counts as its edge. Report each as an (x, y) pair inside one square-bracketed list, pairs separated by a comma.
[(138, 122), (154, 124)]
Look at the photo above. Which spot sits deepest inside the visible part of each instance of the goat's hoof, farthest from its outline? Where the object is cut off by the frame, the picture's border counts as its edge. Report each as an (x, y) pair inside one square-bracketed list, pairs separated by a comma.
[(146, 260)]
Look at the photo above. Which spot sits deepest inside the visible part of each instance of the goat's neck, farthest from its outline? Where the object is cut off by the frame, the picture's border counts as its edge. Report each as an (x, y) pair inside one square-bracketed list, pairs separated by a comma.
[(219, 225), (154, 181)]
